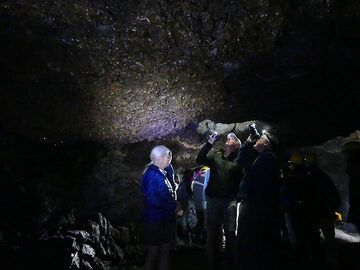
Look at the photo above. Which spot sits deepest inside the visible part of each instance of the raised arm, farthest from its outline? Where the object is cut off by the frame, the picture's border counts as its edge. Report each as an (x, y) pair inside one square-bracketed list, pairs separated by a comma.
[(246, 154), (203, 158)]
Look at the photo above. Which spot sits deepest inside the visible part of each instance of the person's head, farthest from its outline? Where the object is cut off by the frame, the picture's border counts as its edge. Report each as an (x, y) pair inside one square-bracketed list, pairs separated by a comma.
[(188, 175), (232, 143), (295, 161), (204, 170), (266, 142), (311, 159), (161, 156)]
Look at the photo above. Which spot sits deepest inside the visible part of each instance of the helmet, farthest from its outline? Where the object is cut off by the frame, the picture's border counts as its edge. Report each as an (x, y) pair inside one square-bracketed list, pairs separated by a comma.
[(311, 159), (352, 146), (204, 170), (296, 158)]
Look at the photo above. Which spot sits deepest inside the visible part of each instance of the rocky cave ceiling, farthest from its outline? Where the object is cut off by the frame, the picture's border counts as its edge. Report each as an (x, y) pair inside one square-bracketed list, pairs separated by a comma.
[(129, 71)]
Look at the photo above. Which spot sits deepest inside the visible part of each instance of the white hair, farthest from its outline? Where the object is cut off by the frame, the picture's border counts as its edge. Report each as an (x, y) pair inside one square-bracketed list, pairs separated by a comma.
[(158, 152)]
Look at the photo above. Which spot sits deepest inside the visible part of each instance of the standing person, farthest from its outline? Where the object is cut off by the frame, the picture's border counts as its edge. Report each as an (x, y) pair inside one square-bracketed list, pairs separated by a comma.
[(297, 204), (325, 201), (352, 154), (201, 179), (159, 210), (259, 216), (182, 198), (221, 197)]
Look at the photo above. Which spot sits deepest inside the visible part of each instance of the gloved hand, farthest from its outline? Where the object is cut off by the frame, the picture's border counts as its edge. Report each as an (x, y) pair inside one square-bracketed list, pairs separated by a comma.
[(338, 216), (213, 137), (251, 138), (180, 213)]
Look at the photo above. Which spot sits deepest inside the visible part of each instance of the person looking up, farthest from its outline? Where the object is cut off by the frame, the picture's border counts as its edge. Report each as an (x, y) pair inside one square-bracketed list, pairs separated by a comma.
[(259, 230), (325, 201), (221, 192)]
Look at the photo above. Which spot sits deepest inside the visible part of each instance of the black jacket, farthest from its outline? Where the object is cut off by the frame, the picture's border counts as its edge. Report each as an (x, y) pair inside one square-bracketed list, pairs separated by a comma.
[(325, 198), (261, 182)]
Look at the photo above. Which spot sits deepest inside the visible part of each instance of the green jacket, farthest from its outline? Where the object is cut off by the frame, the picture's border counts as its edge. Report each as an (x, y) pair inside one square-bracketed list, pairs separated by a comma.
[(225, 173)]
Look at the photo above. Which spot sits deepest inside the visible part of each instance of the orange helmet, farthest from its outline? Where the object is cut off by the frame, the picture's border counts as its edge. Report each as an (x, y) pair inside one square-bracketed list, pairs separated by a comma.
[(296, 158), (311, 159)]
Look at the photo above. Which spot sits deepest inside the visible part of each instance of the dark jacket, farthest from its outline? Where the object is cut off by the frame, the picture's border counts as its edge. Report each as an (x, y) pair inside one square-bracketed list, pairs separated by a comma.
[(170, 174), (353, 170), (261, 182), (295, 189), (182, 195), (246, 155), (159, 202), (325, 197), (225, 174)]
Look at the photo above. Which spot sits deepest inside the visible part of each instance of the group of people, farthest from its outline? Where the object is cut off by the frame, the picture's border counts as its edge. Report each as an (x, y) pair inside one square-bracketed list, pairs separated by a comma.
[(251, 202)]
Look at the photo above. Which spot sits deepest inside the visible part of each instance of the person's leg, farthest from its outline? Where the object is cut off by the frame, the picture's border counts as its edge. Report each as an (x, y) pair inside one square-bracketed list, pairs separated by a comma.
[(201, 222), (313, 232), (213, 228), (229, 216), (247, 256), (199, 228), (230, 248), (181, 230), (328, 230), (271, 240), (164, 256), (212, 248), (299, 229), (151, 257)]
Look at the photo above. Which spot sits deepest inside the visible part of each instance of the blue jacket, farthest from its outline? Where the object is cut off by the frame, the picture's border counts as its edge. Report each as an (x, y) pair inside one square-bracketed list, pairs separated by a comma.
[(171, 176), (159, 202)]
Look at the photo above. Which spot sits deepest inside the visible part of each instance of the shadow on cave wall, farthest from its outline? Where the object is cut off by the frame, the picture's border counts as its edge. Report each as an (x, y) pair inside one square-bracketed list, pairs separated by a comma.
[(43, 88), (87, 71), (42, 184), (309, 82)]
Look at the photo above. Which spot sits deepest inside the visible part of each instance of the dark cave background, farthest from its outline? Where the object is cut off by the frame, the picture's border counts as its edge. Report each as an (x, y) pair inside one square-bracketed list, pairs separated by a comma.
[(89, 87)]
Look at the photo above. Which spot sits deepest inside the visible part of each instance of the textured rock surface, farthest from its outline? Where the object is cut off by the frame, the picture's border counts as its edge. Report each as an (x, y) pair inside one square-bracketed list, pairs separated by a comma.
[(89, 87), (130, 71), (332, 161), (78, 180), (80, 249)]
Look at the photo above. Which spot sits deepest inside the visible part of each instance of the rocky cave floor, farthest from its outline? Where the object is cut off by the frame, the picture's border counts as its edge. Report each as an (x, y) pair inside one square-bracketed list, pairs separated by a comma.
[(103, 246), (192, 257)]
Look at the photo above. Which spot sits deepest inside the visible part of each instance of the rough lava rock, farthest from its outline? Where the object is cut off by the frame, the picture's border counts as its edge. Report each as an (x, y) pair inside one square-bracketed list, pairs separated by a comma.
[(126, 72)]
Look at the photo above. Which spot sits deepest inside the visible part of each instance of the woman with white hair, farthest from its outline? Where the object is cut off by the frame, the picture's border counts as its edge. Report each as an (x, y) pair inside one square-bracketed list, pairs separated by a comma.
[(159, 209)]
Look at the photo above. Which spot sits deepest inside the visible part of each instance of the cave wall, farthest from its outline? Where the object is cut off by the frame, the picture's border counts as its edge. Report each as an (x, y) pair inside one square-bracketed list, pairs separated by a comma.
[(88, 87), (89, 178), (130, 71), (124, 71)]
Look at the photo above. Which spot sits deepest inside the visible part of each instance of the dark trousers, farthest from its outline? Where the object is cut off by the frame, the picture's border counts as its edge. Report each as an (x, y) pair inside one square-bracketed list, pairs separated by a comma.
[(258, 237), (220, 215), (200, 233)]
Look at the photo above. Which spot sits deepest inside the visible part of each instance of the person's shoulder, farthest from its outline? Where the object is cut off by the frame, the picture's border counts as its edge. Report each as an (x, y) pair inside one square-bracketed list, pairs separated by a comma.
[(217, 152), (152, 171), (268, 155), (169, 169)]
